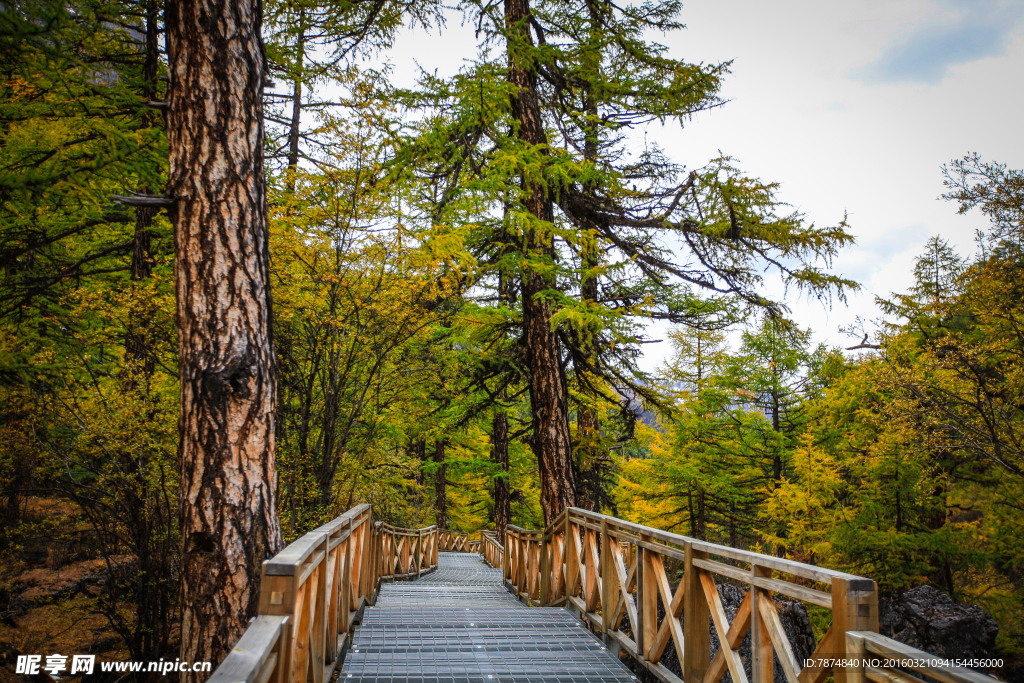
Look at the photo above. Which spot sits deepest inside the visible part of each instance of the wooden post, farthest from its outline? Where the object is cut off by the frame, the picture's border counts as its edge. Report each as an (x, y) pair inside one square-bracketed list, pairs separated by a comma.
[(392, 552), (606, 573), (590, 598), (647, 586), (641, 649), (763, 655), (507, 559), (856, 652), (419, 551), (284, 650), (696, 617), (545, 572), (572, 558), (854, 608)]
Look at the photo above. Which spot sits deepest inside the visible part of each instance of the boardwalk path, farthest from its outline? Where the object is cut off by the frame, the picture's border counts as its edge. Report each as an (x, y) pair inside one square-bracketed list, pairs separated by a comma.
[(459, 625)]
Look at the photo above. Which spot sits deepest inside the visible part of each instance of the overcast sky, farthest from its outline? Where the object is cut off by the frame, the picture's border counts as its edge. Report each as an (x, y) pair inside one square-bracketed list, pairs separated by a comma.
[(853, 106)]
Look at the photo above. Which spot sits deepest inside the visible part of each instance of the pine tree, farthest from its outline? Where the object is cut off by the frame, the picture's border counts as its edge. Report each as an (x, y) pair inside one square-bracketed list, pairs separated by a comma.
[(586, 224)]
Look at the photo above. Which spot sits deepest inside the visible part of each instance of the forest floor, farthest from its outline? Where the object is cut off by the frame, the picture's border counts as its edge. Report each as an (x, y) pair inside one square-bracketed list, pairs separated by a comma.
[(52, 580)]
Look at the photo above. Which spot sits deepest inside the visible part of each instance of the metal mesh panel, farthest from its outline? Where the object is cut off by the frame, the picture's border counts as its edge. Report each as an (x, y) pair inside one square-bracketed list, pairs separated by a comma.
[(460, 625)]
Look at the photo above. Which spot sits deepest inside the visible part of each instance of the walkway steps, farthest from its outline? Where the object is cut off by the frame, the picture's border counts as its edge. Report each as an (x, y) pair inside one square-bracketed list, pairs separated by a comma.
[(459, 625)]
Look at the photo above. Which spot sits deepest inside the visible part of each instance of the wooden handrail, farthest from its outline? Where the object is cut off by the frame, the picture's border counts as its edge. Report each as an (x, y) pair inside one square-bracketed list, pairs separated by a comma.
[(612, 573), (313, 591), (870, 652), (491, 549), (453, 541)]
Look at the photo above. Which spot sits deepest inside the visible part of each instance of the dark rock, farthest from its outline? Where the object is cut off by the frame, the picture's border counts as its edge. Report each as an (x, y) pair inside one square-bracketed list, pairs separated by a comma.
[(792, 615), (1013, 674), (926, 618), (795, 623)]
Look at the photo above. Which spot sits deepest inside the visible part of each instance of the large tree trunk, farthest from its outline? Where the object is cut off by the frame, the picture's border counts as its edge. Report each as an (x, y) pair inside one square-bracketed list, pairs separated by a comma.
[(548, 393), (499, 455), (440, 485), (229, 521)]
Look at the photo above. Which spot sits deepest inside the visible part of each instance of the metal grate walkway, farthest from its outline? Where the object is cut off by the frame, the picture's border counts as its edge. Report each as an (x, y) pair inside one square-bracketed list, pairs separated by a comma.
[(459, 625)]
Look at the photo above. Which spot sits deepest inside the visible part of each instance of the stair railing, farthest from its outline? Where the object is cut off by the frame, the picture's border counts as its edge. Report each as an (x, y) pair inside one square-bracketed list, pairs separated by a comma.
[(615, 573), (313, 592), (453, 541), (491, 549), (875, 657)]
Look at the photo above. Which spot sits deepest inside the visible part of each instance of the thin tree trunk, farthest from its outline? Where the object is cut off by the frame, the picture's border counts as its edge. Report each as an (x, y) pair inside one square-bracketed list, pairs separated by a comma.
[(499, 455), (227, 505), (295, 128), (139, 359), (548, 393), (440, 482), (418, 451), (589, 493)]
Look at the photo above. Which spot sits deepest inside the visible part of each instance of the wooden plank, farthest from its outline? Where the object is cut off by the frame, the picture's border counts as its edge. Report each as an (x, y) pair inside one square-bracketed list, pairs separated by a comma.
[(817, 673), (659, 549), (807, 571), (854, 608), (289, 561), (695, 621), (723, 569), (646, 603), (277, 595), (317, 627), (300, 633), (312, 563), (721, 621), (267, 670), (673, 608), (606, 581), (625, 642), (783, 650), (557, 567), (593, 563), (624, 580), (810, 595), (254, 650), (889, 676), (762, 666), (572, 559), (889, 648), (737, 630), (335, 589), (578, 603)]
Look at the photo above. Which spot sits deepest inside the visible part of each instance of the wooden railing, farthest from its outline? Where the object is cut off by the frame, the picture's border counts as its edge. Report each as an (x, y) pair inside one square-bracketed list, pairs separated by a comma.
[(873, 655), (491, 549), (453, 541), (314, 590), (614, 574)]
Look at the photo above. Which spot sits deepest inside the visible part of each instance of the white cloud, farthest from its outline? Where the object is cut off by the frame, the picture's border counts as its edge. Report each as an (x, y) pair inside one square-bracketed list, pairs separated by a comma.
[(972, 30)]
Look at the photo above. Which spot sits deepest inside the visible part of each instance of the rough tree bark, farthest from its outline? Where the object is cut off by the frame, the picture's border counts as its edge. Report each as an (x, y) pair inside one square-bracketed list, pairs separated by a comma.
[(548, 392), (440, 483), (499, 455), (227, 508)]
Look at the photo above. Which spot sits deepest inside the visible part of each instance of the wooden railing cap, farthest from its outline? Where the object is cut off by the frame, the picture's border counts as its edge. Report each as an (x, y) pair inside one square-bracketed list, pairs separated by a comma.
[(252, 651), (288, 561)]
